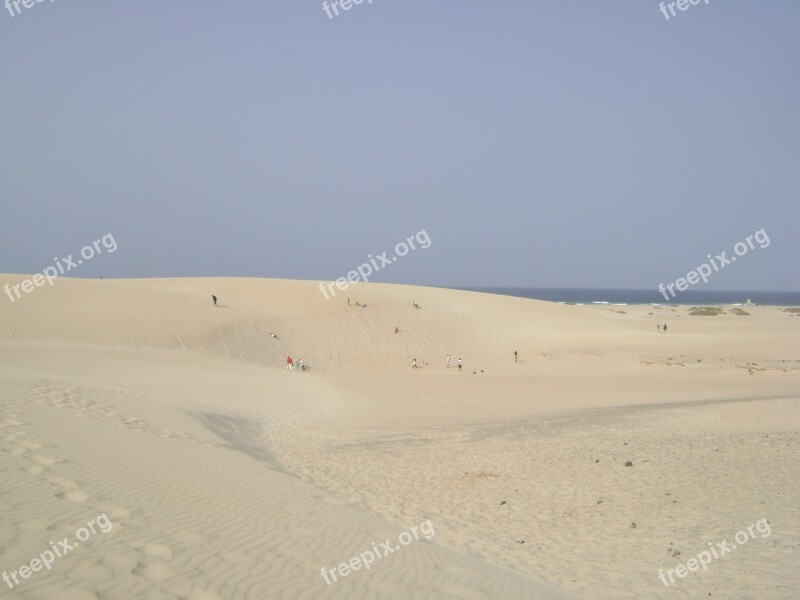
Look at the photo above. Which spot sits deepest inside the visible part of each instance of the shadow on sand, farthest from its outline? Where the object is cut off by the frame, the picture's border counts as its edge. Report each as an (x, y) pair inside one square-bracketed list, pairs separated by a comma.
[(241, 434)]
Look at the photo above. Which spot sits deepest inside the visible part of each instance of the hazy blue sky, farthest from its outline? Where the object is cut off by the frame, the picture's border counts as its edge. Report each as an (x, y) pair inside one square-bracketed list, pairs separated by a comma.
[(561, 144)]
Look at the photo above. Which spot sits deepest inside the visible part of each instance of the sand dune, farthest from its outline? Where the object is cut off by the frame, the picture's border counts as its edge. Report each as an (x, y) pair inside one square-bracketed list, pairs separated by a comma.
[(225, 476)]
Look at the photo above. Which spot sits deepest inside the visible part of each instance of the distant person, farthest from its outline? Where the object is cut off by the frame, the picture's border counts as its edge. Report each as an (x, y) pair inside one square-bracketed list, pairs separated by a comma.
[(348, 301), (516, 356), (658, 328), (414, 364), (396, 330), (665, 328), (289, 363), (459, 363), (447, 360), (301, 365), (414, 304), (214, 298)]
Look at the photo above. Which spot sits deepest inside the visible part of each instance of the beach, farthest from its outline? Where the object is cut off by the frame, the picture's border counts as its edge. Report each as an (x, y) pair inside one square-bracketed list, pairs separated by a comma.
[(226, 475)]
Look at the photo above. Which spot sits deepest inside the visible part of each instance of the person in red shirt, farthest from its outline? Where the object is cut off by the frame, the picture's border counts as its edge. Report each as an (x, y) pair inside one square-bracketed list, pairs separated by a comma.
[(289, 363)]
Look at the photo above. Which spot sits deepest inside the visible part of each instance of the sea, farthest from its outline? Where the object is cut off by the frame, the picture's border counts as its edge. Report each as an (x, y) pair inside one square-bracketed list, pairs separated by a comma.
[(652, 296)]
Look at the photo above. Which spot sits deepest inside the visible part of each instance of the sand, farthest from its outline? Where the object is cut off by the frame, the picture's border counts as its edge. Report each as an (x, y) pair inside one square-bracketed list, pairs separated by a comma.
[(226, 476)]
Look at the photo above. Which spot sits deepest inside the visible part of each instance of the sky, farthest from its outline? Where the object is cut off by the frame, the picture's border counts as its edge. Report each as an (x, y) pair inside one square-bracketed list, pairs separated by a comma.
[(588, 144)]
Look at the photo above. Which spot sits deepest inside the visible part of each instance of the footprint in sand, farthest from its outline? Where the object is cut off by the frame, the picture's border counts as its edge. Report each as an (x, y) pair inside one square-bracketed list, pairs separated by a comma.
[(29, 444), (153, 565), (155, 572), (47, 461), (35, 470), (74, 496), (157, 550)]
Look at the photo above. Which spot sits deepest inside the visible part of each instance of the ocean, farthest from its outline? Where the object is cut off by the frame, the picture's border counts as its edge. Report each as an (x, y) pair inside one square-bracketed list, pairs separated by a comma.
[(653, 296)]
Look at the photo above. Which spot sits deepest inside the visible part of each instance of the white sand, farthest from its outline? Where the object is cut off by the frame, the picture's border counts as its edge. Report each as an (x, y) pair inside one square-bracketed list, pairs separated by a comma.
[(225, 476)]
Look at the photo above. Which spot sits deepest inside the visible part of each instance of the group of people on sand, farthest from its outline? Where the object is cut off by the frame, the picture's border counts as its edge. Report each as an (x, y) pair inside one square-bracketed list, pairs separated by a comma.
[(358, 304), (301, 365), (659, 327), (446, 360)]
